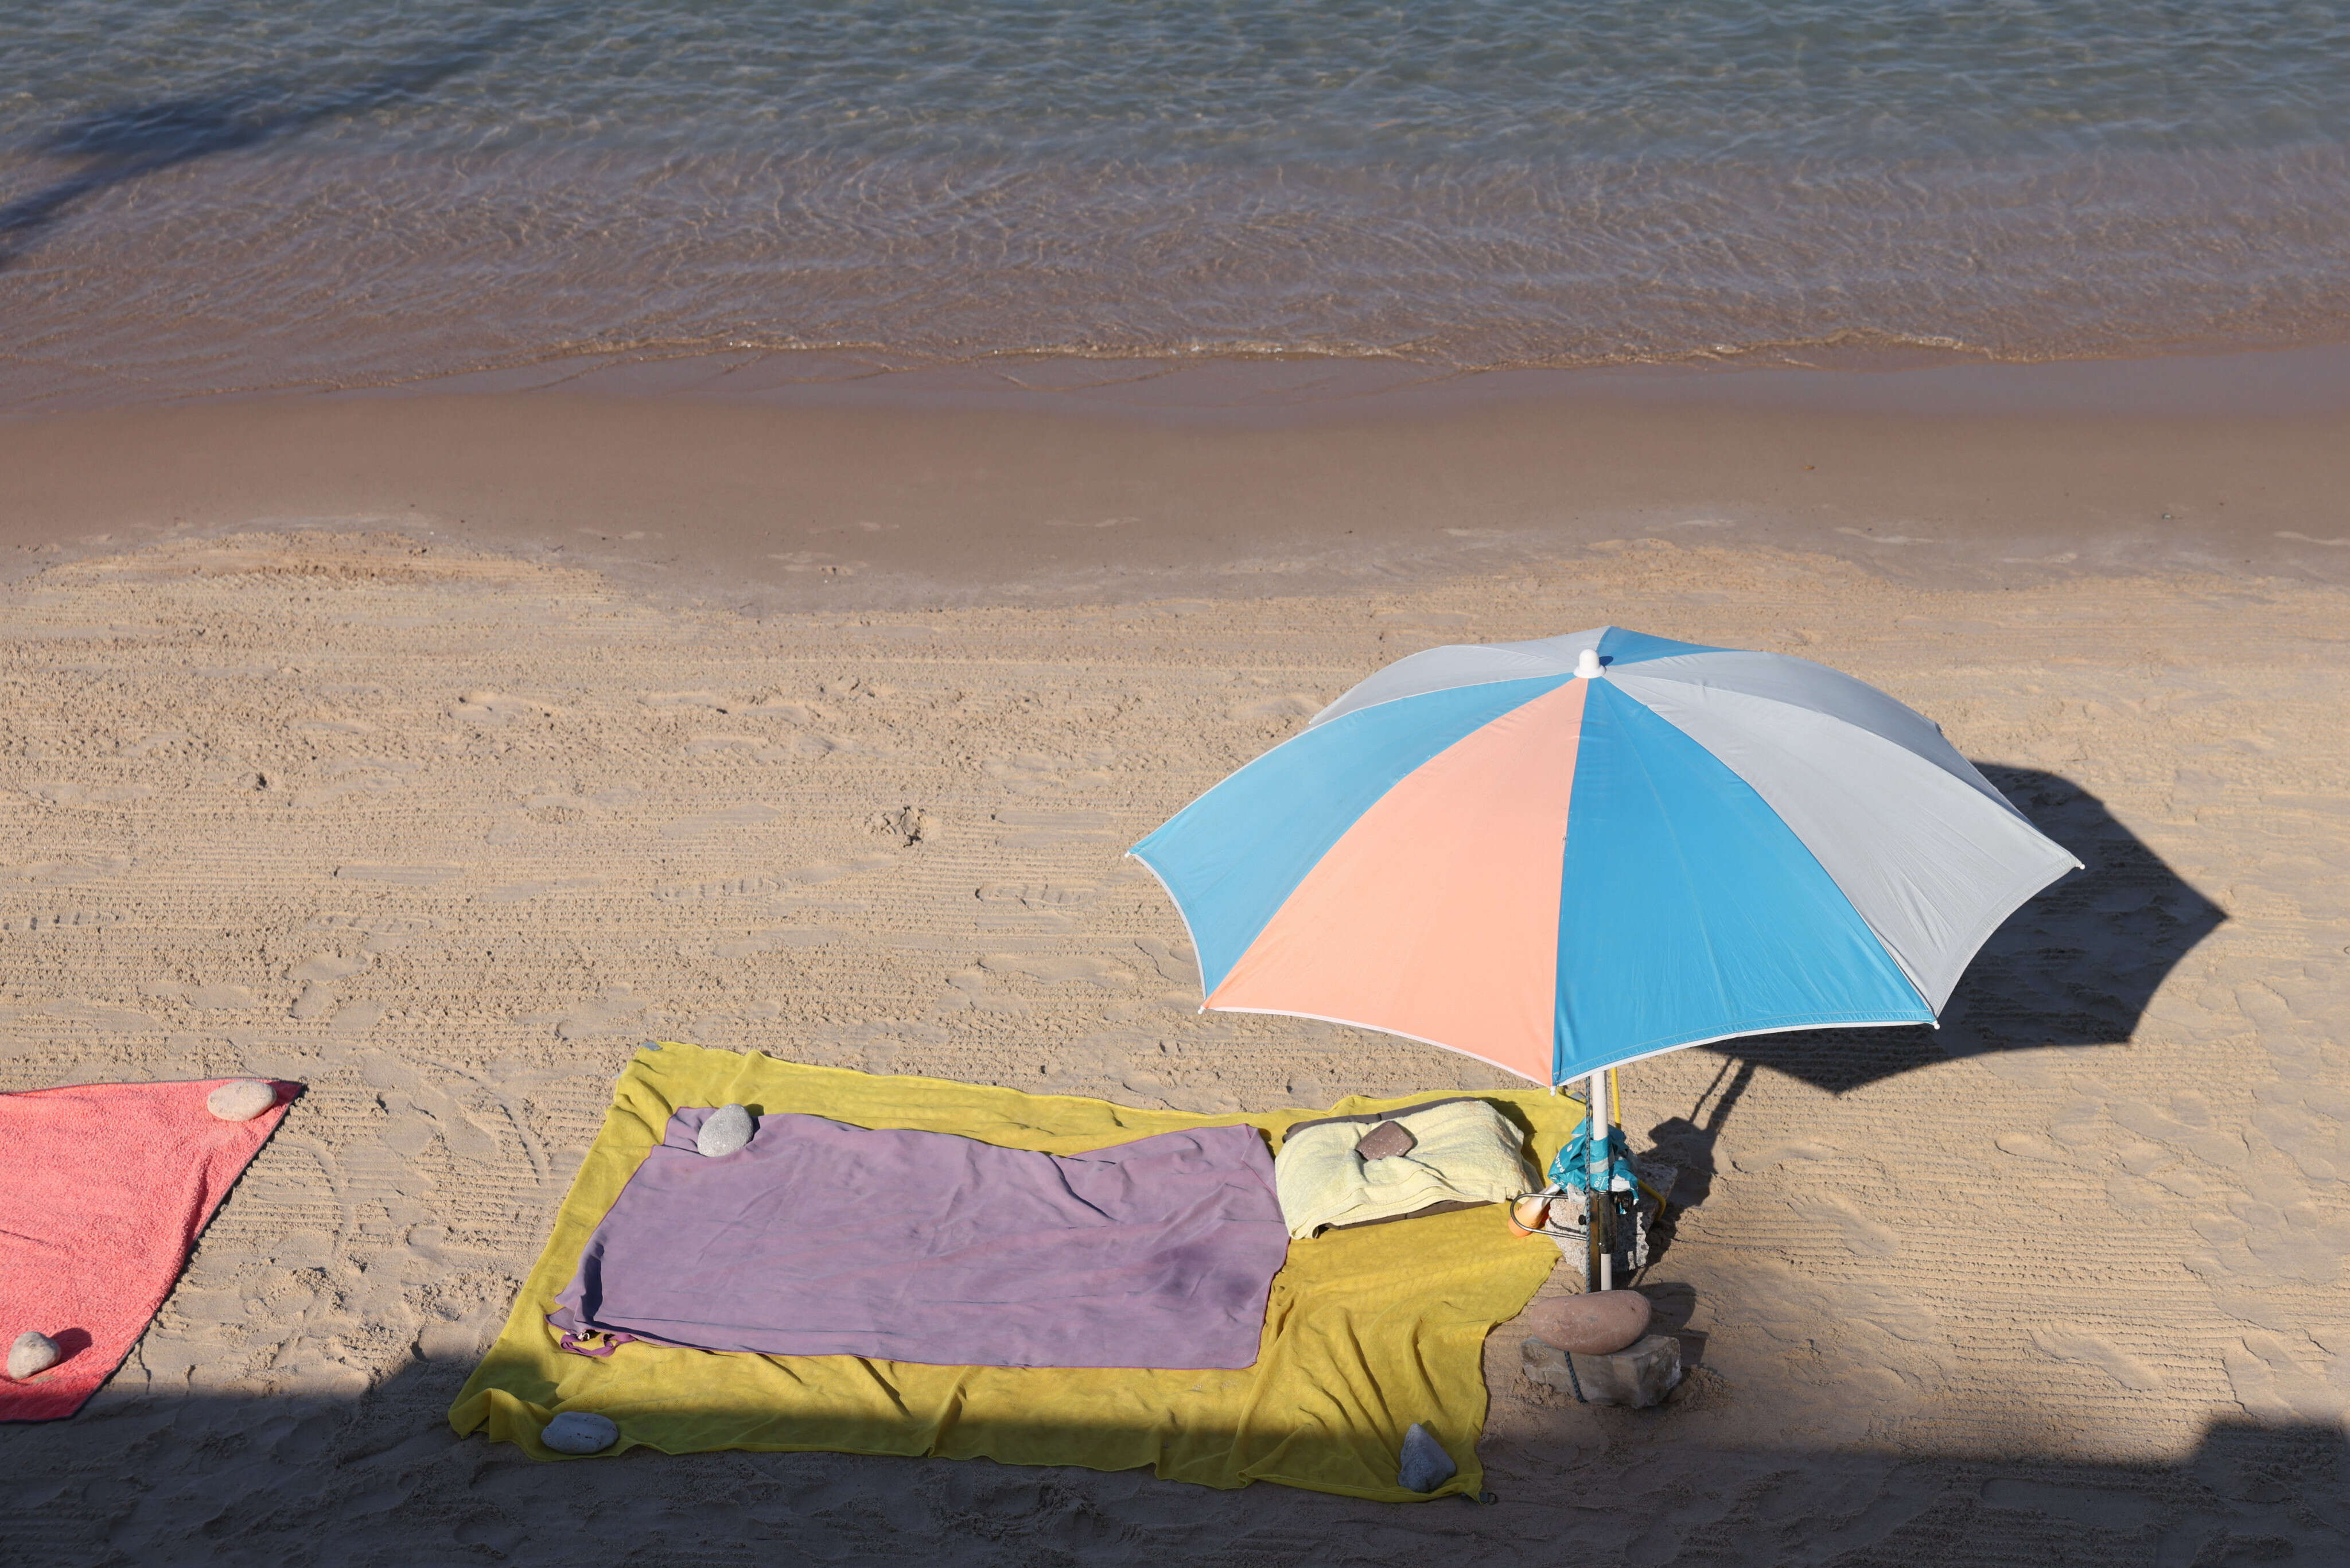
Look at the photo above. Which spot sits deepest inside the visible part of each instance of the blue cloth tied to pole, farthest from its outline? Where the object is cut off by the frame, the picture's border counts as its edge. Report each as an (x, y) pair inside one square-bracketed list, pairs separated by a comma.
[(1571, 1171)]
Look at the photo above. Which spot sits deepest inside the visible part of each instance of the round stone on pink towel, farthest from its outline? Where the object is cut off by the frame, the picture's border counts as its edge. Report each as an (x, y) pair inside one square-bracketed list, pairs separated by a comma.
[(1598, 1324), (33, 1354), (241, 1101), (580, 1432)]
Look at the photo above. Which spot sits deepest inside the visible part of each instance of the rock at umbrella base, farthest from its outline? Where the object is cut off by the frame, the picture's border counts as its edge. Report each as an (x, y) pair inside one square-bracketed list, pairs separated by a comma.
[(1599, 1323), (1639, 1377), (33, 1354), (241, 1101), (580, 1432), (728, 1129)]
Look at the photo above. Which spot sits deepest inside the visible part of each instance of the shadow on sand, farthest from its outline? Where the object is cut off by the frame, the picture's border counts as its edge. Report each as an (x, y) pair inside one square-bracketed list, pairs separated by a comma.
[(114, 146), (2077, 966), (149, 1476)]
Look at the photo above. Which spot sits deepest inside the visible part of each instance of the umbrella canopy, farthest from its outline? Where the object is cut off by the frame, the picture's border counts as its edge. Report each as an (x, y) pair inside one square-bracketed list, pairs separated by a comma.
[(1563, 855)]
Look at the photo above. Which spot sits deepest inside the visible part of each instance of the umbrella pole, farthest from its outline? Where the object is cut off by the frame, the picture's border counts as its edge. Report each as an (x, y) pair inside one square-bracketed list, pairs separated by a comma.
[(1598, 1173)]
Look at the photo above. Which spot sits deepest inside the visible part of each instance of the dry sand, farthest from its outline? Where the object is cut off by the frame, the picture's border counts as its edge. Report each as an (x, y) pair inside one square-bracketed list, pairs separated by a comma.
[(444, 835)]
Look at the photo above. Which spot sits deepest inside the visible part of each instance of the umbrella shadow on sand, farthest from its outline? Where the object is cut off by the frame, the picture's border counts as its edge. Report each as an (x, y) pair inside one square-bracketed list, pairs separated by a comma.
[(2077, 966)]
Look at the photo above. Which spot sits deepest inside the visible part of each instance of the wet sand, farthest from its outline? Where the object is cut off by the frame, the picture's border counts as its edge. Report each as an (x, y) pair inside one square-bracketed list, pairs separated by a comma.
[(767, 481)]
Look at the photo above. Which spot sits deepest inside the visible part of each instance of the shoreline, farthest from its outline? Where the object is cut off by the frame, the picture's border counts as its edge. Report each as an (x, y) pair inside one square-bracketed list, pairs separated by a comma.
[(771, 482)]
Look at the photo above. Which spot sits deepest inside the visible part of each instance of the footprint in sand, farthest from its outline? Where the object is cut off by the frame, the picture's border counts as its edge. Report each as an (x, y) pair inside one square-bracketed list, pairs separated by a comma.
[(2094, 1508), (62, 920), (1054, 829), (752, 815), (350, 779), (2092, 1350), (1833, 1212), (777, 939), (767, 884), (205, 998), (1039, 895), (2031, 1145), (970, 989), (2188, 1127), (801, 748), (66, 868), (97, 1015), (423, 876), (1780, 1153), (355, 1018), (669, 702), (59, 792), (1060, 969), (789, 709), (1289, 705), (1176, 962), (497, 708), (1028, 772), (421, 1110), (615, 1011), (384, 933), (316, 976), (518, 892), (162, 743)]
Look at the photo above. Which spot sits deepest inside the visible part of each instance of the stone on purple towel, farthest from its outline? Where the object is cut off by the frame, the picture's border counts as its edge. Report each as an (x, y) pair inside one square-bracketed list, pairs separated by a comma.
[(33, 1354), (241, 1101), (728, 1129)]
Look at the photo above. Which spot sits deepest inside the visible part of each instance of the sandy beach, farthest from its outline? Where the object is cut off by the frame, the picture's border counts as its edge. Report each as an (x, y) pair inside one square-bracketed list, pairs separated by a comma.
[(442, 831), (535, 527)]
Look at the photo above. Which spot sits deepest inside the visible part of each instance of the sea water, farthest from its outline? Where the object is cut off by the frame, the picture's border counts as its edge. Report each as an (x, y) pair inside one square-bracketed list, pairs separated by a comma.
[(200, 196)]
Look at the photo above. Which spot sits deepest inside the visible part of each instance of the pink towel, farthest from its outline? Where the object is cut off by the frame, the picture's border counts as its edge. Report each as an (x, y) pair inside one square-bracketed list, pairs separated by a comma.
[(104, 1189)]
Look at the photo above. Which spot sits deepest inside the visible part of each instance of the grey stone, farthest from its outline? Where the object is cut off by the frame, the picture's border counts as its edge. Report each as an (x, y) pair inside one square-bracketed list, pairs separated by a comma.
[(728, 1129), (241, 1101), (1639, 1377), (1426, 1466), (580, 1432), (33, 1354)]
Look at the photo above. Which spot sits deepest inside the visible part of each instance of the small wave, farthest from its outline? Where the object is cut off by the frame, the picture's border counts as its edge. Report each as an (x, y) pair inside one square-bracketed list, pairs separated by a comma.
[(286, 269)]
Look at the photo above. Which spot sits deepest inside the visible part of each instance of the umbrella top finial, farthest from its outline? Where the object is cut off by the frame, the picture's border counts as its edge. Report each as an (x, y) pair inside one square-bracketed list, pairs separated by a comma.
[(1586, 664)]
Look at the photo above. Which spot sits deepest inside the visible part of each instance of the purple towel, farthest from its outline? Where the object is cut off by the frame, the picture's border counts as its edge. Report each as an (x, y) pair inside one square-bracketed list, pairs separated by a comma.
[(822, 1239)]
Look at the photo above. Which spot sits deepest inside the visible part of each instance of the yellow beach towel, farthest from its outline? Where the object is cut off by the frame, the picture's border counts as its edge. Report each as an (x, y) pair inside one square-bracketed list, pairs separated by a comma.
[(1366, 1332)]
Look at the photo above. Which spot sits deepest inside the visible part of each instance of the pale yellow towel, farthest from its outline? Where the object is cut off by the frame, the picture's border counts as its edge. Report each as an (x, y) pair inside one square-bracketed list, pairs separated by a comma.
[(1466, 1152)]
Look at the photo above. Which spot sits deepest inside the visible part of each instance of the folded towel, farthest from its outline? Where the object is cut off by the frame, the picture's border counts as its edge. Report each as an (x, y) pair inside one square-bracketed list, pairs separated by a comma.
[(104, 1189), (1463, 1152)]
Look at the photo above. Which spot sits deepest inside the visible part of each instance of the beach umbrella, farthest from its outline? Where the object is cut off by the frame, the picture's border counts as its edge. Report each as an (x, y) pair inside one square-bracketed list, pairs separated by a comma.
[(1565, 854)]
